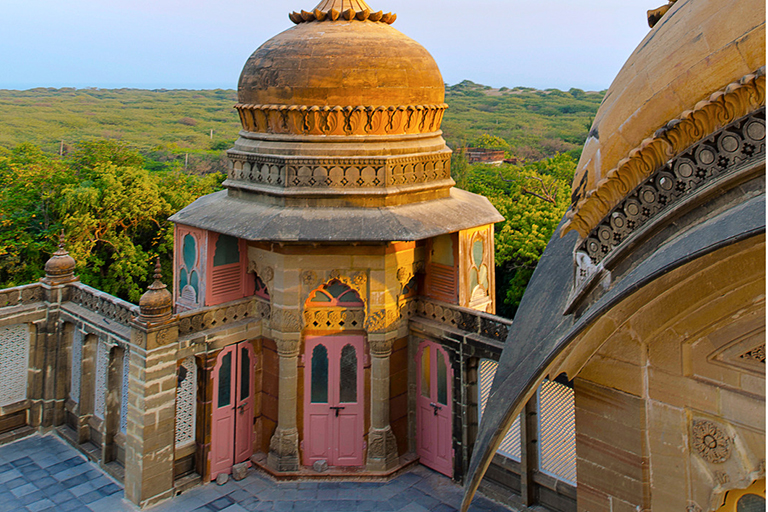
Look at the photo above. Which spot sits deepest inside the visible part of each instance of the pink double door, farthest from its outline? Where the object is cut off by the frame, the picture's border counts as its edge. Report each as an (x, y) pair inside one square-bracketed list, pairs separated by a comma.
[(233, 402), (433, 408), (333, 400)]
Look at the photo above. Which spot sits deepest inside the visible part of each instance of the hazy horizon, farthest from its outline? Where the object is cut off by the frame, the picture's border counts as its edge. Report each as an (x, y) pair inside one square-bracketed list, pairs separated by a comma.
[(167, 44)]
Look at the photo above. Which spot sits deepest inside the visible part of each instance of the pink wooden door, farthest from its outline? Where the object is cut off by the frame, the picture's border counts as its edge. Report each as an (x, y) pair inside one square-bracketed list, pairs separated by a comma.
[(245, 403), (333, 400), (223, 422), (233, 402), (433, 408)]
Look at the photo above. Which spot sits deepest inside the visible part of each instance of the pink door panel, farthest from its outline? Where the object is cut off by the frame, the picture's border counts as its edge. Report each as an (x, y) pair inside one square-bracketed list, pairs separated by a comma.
[(233, 403), (245, 403), (434, 411), (334, 409), (223, 421)]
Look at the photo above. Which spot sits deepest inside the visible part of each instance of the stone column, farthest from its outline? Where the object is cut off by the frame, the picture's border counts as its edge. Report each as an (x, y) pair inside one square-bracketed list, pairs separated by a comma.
[(382, 445), (284, 445)]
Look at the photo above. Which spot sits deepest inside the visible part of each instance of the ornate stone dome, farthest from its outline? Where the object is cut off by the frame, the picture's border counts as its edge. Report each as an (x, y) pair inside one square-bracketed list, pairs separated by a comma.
[(341, 63), (700, 54)]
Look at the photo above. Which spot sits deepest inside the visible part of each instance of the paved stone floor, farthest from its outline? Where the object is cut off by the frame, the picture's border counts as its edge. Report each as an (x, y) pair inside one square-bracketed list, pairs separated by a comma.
[(44, 473)]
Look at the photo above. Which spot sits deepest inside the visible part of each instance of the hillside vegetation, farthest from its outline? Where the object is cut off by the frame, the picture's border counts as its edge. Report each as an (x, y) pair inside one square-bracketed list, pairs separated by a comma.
[(121, 173)]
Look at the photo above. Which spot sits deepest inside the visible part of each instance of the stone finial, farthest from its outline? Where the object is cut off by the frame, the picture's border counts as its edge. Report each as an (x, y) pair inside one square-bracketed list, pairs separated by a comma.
[(157, 302), (60, 268), (332, 10)]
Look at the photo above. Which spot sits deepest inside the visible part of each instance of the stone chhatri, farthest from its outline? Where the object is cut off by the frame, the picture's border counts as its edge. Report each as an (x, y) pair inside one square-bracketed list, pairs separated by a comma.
[(342, 10)]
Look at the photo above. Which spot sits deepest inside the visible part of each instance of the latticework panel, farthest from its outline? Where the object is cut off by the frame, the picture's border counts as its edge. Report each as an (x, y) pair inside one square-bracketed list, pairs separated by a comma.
[(77, 365), (124, 392), (100, 385), (510, 445), (186, 403), (14, 362), (557, 427)]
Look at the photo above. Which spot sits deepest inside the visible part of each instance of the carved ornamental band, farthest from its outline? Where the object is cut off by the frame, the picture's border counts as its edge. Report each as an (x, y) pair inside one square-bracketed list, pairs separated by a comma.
[(341, 121)]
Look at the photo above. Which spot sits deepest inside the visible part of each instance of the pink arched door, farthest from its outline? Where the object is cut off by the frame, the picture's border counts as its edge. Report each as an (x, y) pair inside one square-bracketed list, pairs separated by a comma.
[(233, 402), (433, 408), (333, 400)]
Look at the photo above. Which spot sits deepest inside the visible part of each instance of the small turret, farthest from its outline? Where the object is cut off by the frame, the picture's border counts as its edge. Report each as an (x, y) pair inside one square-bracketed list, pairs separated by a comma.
[(157, 302), (60, 268)]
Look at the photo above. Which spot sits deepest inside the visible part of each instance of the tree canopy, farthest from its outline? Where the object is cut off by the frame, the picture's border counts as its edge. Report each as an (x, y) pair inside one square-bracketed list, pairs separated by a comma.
[(113, 210)]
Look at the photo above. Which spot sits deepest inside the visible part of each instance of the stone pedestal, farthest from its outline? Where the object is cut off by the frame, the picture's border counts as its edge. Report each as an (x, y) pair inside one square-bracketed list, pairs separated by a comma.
[(151, 416)]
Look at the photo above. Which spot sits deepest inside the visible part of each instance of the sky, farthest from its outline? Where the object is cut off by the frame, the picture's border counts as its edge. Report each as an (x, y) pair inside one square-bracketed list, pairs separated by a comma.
[(203, 44)]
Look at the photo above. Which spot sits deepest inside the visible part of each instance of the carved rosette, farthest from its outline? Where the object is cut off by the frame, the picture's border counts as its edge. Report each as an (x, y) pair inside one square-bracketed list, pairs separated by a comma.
[(710, 441), (721, 108), (284, 450), (341, 121)]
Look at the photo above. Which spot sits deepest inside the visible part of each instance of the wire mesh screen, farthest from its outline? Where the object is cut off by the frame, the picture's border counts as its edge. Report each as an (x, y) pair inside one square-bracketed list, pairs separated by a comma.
[(510, 446), (557, 431)]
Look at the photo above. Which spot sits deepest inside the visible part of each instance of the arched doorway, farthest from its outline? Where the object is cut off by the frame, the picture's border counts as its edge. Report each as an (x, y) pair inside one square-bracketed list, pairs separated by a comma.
[(434, 434), (334, 404)]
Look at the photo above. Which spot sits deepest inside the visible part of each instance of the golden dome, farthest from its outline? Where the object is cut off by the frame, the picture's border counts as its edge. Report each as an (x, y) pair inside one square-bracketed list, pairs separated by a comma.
[(60, 266), (157, 301), (341, 63), (697, 52)]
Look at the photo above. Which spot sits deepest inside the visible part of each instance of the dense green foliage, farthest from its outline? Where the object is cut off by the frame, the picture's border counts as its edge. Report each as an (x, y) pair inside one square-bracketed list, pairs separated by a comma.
[(535, 124), (532, 198), (112, 208)]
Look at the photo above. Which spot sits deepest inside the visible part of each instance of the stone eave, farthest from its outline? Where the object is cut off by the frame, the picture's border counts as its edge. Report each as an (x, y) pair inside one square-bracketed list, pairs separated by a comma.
[(254, 221)]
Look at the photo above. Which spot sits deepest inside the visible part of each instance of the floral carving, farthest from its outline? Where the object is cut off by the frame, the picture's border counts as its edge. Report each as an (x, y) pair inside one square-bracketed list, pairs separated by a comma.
[(721, 108), (710, 441), (309, 279), (340, 121), (743, 141), (756, 354)]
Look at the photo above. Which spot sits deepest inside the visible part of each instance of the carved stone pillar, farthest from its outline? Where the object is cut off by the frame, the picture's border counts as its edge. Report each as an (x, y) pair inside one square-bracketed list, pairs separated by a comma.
[(284, 445), (382, 445)]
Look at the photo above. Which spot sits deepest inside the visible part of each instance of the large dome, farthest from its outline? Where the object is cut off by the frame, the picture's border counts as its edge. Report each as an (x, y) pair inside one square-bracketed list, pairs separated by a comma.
[(697, 49), (341, 63)]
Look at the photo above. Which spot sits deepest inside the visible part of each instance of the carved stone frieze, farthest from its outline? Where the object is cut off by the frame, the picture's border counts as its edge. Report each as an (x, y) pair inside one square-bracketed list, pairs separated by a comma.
[(209, 318), (334, 319), (382, 320), (735, 101), (341, 121), (710, 441), (738, 143), (339, 173)]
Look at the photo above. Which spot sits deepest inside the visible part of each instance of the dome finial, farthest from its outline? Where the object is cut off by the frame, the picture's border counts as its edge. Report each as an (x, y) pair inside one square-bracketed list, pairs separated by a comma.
[(332, 10), (157, 302), (60, 268)]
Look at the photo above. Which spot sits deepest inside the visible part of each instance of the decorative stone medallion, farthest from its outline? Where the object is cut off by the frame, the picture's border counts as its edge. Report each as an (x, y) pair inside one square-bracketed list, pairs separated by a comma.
[(712, 443)]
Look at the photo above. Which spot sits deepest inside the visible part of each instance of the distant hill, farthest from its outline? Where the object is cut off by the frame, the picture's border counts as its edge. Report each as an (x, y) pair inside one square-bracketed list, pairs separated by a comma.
[(167, 125), (535, 123)]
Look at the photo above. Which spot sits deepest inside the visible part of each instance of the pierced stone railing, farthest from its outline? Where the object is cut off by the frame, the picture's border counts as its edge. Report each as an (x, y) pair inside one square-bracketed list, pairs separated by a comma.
[(203, 319), (17, 295), (465, 319), (104, 304)]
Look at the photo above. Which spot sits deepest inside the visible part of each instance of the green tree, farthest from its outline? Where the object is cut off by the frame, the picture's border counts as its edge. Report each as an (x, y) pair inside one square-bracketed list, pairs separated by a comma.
[(486, 141), (532, 198)]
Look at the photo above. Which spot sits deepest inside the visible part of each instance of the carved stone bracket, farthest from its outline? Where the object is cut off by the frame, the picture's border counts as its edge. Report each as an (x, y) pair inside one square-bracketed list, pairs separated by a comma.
[(287, 348), (285, 320), (380, 348), (721, 108), (382, 320), (284, 450), (382, 450), (260, 267)]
